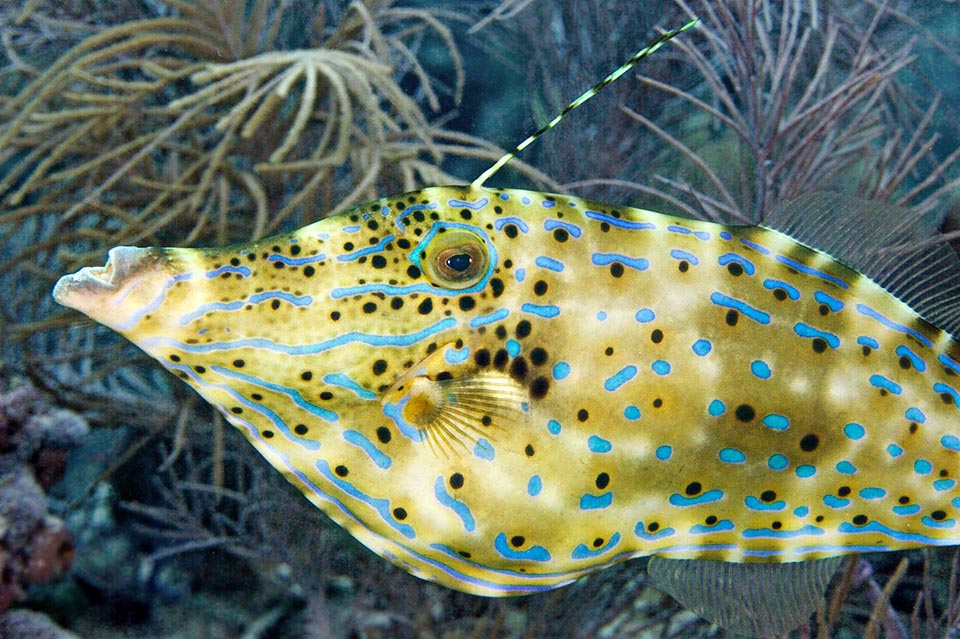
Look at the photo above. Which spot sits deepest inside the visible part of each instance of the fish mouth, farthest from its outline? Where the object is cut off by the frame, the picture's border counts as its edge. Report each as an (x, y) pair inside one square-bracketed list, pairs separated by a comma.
[(111, 294)]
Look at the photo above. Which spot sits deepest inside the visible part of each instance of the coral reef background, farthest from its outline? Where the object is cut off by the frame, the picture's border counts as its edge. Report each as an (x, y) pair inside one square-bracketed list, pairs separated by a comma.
[(206, 122)]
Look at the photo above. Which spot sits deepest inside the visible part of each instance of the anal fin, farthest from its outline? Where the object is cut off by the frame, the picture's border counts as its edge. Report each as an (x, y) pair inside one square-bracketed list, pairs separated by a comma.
[(754, 600)]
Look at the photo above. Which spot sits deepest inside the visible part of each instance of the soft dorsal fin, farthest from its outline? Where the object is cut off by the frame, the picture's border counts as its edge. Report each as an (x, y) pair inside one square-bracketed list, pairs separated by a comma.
[(894, 247), (755, 600)]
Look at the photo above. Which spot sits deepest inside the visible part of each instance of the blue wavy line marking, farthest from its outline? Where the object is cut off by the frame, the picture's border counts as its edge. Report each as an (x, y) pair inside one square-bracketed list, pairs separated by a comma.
[(947, 361), (307, 349), (457, 506), (835, 502), (242, 270), (353, 228), (728, 258), (376, 455), (755, 504), (943, 388), (484, 450), (829, 301), (863, 309), (905, 351), (322, 413), (501, 222), (297, 261), (805, 330), (885, 384), (408, 430), (583, 552), (341, 380), (623, 376), (791, 291), (755, 246), (453, 356), (864, 340), (537, 553), (755, 533), (708, 497), (941, 485), (496, 316), (473, 206), (153, 305), (756, 315), (378, 248), (679, 254), (877, 527), (637, 263), (872, 492), (257, 298), (682, 230), (933, 523), (410, 210), (721, 526), (904, 511), (596, 502), (572, 229), (623, 224), (811, 271), (542, 310), (549, 263), (640, 530), (381, 506)]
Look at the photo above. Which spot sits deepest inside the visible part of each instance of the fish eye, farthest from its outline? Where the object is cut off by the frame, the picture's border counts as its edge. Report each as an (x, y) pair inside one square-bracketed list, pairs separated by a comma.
[(456, 259)]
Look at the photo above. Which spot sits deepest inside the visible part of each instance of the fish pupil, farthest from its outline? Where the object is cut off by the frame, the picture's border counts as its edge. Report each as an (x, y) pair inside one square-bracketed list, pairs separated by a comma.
[(459, 262)]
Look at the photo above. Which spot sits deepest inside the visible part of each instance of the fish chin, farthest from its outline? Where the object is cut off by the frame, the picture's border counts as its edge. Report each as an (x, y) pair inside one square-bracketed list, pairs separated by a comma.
[(116, 293)]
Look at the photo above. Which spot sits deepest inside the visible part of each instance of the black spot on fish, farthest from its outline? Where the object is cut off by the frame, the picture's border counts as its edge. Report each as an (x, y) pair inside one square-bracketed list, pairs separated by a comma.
[(768, 496), (824, 309), (200, 369), (426, 306), (745, 412), (583, 415), (380, 367), (413, 272), (174, 358), (275, 304), (540, 288), (300, 429), (657, 403), (444, 376), (403, 243), (735, 269), (486, 420), (341, 471), (510, 230), (456, 481), (372, 225), (383, 434), (732, 317), (809, 443), (482, 357), (519, 369), (378, 261), (396, 303), (693, 488), (602, 481), (239, 363), (779, 294), (819, 344), (308, 271), (496, 286), (538, 356), (561, 235), (866, 350), (616, 269), (256, 397), (335, 315), (776, 525), (608, 351), (236, 410), (465, 214), (904, 499), (653, 526), (369, 307), (306, 376), (466, 303), (517, 540), (914, 427), (656, 336), (326, 396), (843, 491), (860, 520), (523, 329), (501, 358), (598, 542), (904, 362), (267, 434), (528, 450), (539, 387), (399, 513), (684, 266)]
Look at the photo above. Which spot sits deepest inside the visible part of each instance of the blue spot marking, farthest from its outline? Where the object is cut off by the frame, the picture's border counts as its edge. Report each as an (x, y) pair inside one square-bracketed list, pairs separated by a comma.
[(915, 415), (949, 363), (520, 274), (525, 199), (382, 506), (720, 526), (701, 347), (811, 271), (905, 351), (483, 449), (922, 467), (541, 310), (801, 511), (454, 356), (912, 509), (725, 235), (553, 427), (754, 246), (778, 461), (549, 263), (640, 530), (716, 408), (537, 553), (664, 453), (242, 270), (846, 468), (792, 292), (943, 388), (950, 442), (631, 412), (863, 340), (358, 439), (755, 504), (637, 263), (483, 320), (572, 229), (378, 248), (756, 315), (582, 552), (661, 367), (513, 347), (805, 330), (596, 502), (341, 380), (806, 470), (534, 486), (645, 315), (547, 204), (835, 502), (941, 485), (682, 230), (623, 376), (783, 534), (732, 456), (728, 258), (829, 301), (561, 370), (883, 383), (353, 228), (773, 421), (873, 492), (895, 451), (684, 255), (933, 523), (499, 223), (601, 315), (708, 497), (760, 369), (623, 224), (598, 445), (854, 431), (863, 309)]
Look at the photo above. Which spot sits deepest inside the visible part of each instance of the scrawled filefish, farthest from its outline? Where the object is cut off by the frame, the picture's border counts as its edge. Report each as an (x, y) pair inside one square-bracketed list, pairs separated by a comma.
[(504, 390)]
